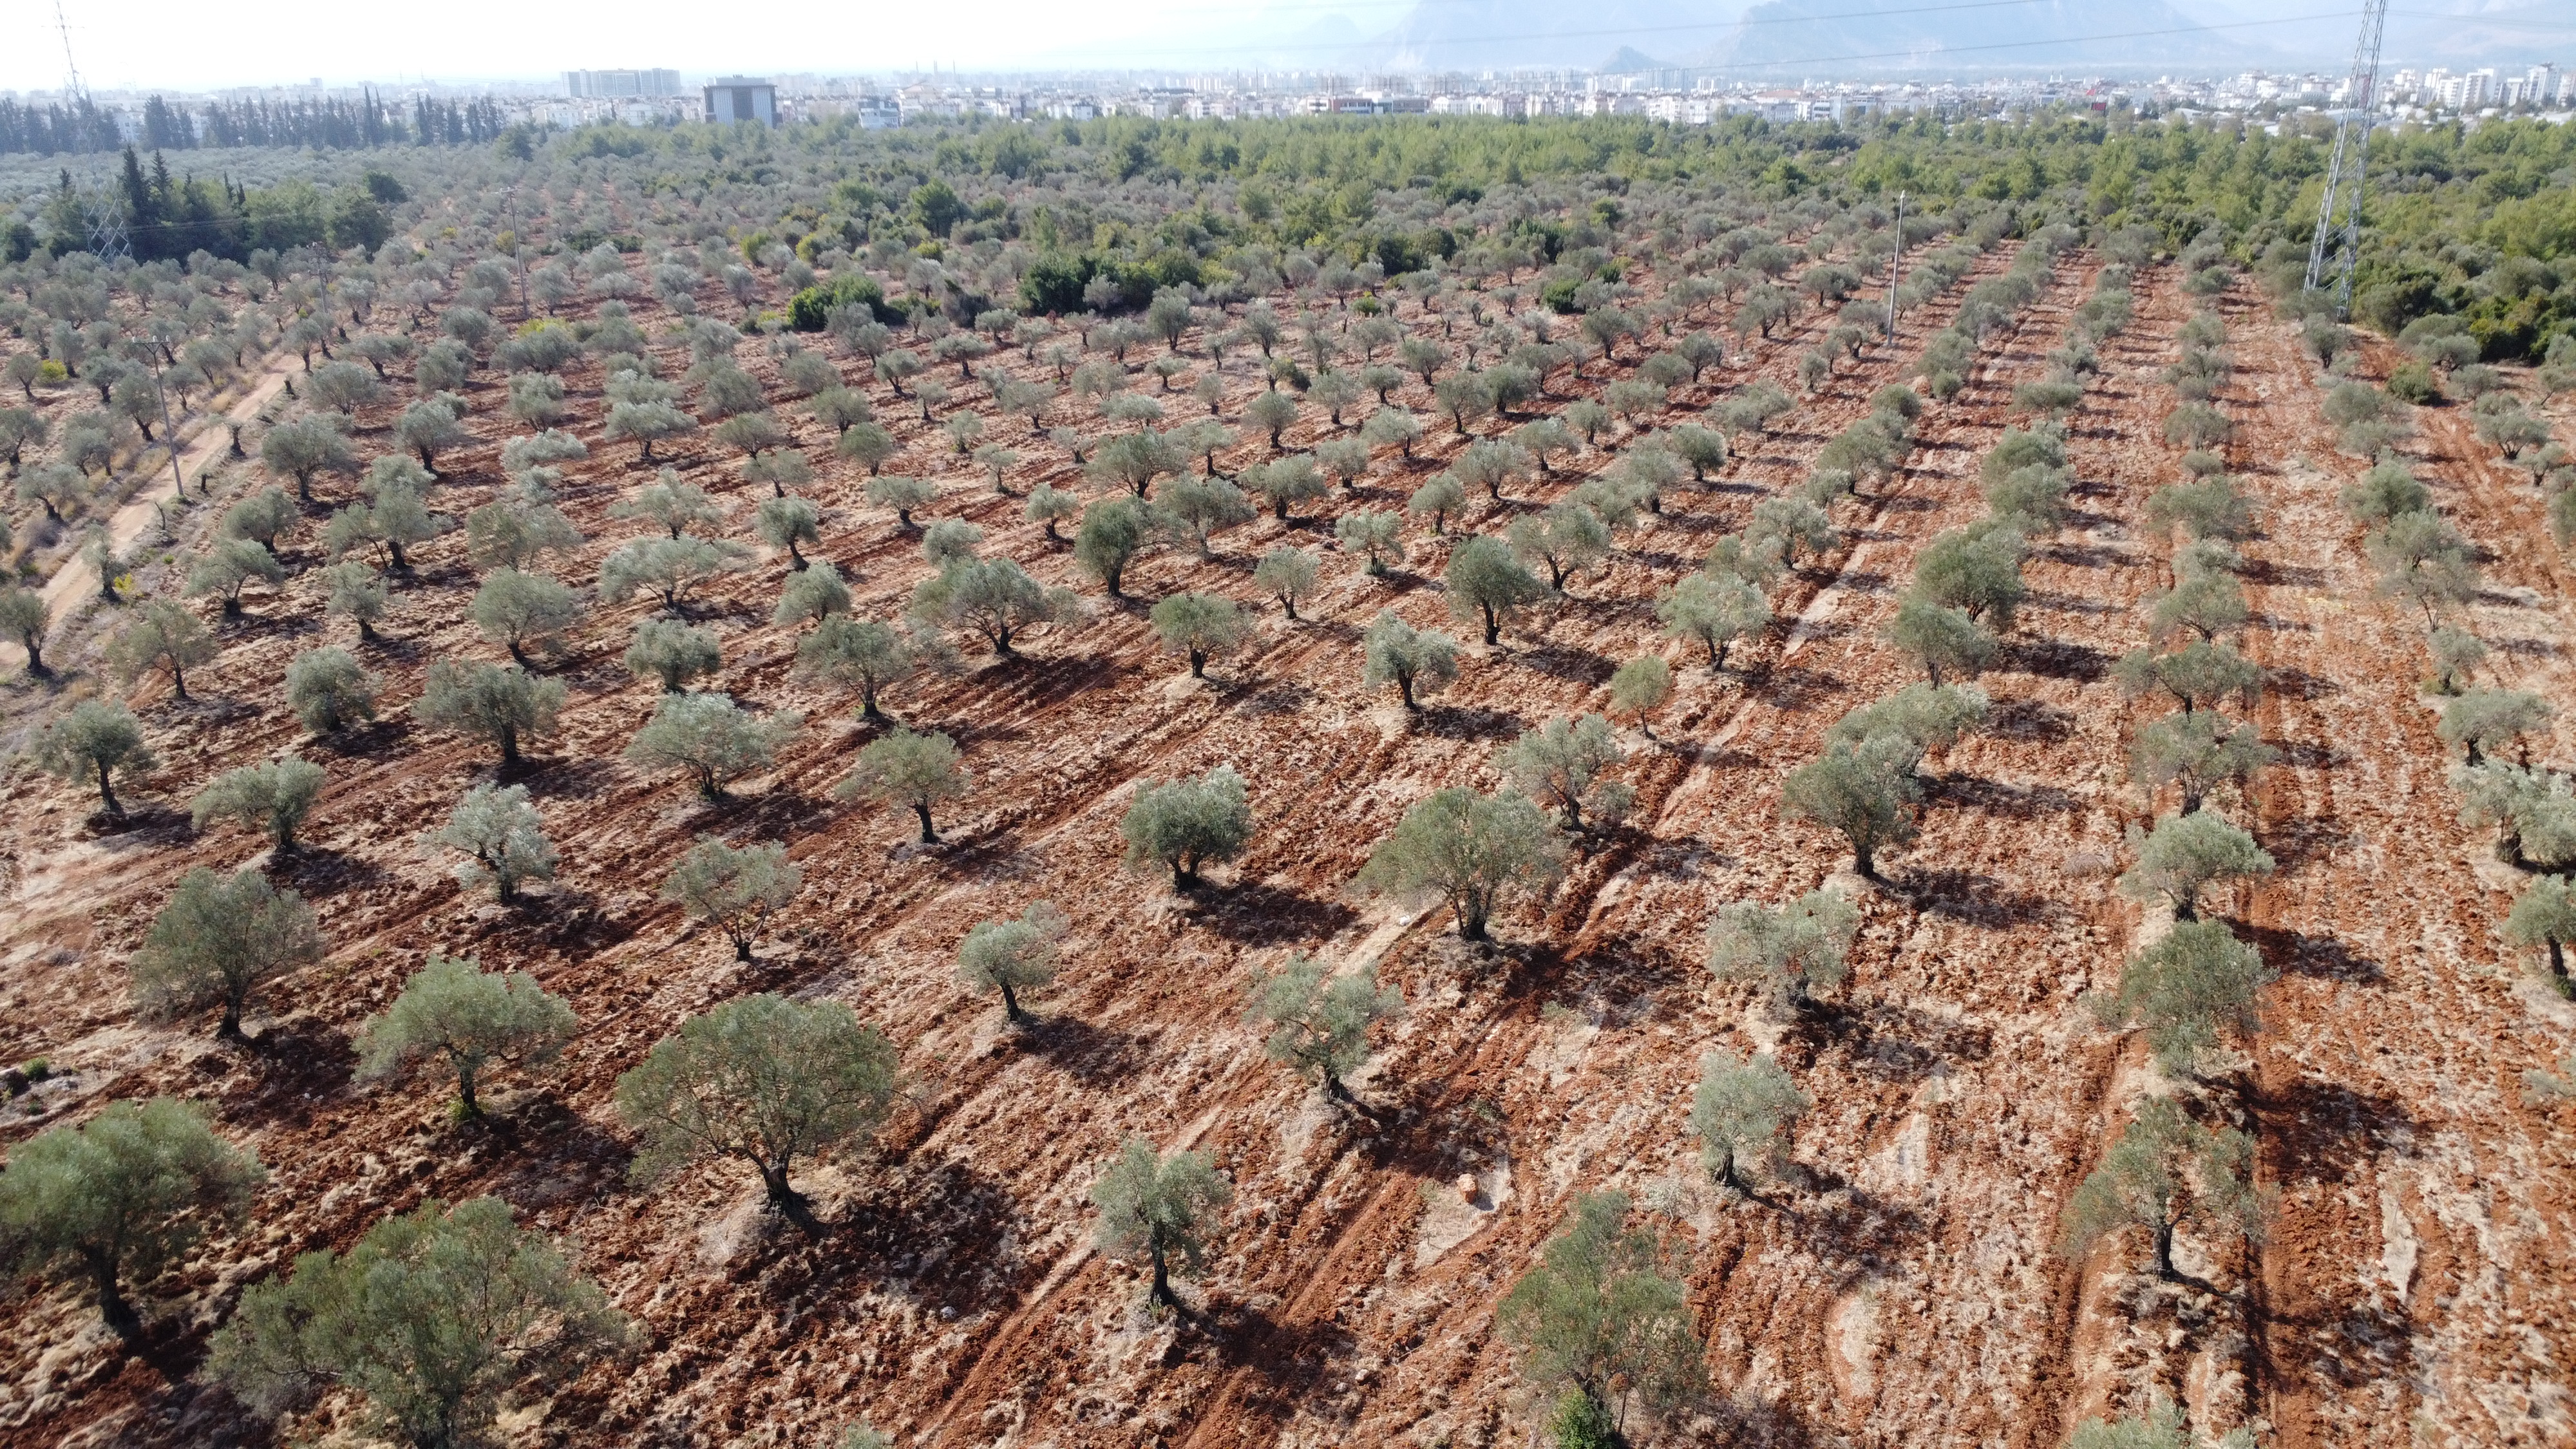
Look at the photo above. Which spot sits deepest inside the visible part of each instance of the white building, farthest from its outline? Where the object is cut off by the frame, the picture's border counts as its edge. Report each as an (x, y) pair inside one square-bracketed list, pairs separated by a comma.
[(620, 84)]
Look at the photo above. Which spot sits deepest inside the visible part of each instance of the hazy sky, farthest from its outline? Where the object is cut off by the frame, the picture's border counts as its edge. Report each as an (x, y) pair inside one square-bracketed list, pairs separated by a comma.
[(192, 45)]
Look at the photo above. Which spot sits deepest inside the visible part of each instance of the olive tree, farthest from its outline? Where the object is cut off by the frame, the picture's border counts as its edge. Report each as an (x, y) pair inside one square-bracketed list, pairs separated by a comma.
[(1112, 533), (453, 1012), (673, 653), (2484, 719), (327, 688), (502, 837), (23, 617), (1861, 789), (1318, 1023), (2184, 855), (710, 739), (912, 771), (2195, 981), (1741, 1113), (1567, 538), (1941, 639), (356, 592), (814, 593), (1183, 825), (993, 598), (1013, 956), (228, 568), (1603, 1322), (1712, 613), (2544, 915), (1287, 573), (764, 1080), (1487, 583), (1160, 1207), (2197, 751), (1976, 570), (1793, 950), (273, 797), (2198, 676), (499, 704), (1640, 687), (669, 567), (1562, 763), (161, 637), (98, 741), (863, 654), (519, 611), (216, 942), (734, 889), (1199, 625), (2160, 1172), (1416, 661), (121, 1197), (1376, 537), (1467, 849), (435, 1317), (677, 506)]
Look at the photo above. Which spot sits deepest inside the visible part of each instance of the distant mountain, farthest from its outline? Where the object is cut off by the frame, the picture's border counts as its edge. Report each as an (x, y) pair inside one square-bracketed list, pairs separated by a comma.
[(1894, 37), (1473, 35)]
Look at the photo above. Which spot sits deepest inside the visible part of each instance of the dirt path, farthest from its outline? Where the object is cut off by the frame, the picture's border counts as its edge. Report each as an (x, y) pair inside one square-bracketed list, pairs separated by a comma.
[(76, 581)]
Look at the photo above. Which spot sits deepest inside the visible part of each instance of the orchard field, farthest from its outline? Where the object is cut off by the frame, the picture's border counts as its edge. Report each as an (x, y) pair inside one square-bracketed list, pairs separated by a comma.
[(1320, 786)]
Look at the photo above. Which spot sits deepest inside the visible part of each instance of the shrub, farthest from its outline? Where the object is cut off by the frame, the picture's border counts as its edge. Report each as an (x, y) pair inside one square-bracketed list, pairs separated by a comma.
[(121, 1197), (503, 837), (1466, 849), (1199, 625), (1740, 1114), (909, 770), (1605, 1316), (710, 738), (1183, 825), (1487, 583), (218, 940), (97, 741), (1012, 956), (1861, 790), (1792, 950), (2195, 981), (1318, 1022), (2185, 854), (434, 1316), (519, 611), (2141, 1183), (1161, 1207), (1415, 661), (161, 636), (499, 704), (273, 797), (452, 1011), (1561, 763)]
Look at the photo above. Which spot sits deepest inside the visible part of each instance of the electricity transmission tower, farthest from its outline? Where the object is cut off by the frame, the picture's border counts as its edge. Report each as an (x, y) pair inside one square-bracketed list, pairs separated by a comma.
[(2338, 239), (103, 214)]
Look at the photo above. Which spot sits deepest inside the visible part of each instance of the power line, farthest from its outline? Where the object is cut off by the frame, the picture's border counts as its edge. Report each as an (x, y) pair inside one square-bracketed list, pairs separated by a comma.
[(104, 215)]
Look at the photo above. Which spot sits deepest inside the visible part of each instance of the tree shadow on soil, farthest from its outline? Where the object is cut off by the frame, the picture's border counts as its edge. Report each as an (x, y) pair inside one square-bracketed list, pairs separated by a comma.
[(2013, 802), (2321, 957), (2319, 1131), (1468, 722), (1086, 1051), (1895, 1043), (2056, 659), (1979, 900), (1257, 913)]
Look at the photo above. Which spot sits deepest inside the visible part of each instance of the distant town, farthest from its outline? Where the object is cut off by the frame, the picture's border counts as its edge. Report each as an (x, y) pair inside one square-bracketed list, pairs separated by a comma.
[(661, 97)]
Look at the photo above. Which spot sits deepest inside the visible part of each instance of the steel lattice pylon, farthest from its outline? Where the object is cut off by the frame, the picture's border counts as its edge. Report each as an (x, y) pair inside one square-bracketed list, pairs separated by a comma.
[(102, 213), (2338, 238)]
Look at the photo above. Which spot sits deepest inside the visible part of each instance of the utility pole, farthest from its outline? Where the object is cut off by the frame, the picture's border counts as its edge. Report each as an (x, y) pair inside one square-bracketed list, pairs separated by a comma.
[(100, 210), (1896, 268), (2338, 238)]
